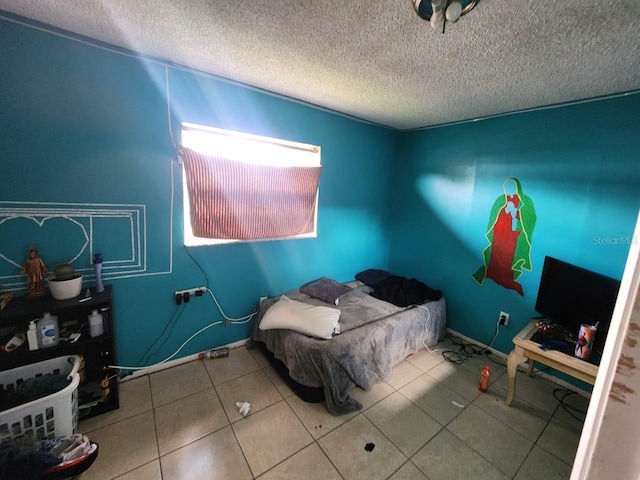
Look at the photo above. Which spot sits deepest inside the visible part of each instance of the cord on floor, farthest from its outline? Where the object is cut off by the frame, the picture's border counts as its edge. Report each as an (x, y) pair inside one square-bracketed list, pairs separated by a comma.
[(568, 408), (465, 350)]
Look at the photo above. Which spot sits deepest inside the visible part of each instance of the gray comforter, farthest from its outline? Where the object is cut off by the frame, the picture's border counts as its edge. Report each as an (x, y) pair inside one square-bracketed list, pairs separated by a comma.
[(375, 336)]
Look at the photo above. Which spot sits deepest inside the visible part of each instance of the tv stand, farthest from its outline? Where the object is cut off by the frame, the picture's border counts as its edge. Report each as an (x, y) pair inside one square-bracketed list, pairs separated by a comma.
[(525, 348)]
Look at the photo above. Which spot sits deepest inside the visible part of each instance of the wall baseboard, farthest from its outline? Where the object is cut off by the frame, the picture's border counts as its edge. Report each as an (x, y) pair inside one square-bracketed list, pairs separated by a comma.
[(240, 343), (179, 361)]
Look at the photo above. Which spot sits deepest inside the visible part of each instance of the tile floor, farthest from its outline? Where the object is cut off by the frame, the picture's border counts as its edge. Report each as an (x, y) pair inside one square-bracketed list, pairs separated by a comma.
[(182, 423)]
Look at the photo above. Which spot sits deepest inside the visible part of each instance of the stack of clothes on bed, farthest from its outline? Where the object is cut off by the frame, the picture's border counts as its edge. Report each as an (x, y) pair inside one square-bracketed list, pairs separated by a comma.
[(400, 291), (331, 336)]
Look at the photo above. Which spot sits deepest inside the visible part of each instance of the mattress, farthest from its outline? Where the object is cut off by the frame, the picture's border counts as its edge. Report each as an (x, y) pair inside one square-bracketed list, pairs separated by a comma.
[(375, 336)]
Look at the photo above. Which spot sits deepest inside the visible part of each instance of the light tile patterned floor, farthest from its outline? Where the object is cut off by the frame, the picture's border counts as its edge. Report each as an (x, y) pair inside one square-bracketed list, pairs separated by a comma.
[(182, 423)]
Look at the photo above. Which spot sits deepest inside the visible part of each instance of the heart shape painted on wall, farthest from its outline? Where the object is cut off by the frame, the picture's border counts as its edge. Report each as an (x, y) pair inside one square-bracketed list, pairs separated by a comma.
[(62, 239)]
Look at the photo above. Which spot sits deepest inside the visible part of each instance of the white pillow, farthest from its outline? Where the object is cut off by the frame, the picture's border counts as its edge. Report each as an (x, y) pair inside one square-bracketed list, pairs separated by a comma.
[(312, 320)]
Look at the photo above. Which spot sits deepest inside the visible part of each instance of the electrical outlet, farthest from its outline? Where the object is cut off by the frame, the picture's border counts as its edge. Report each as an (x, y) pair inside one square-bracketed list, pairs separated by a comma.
[(503, 319), (193, 292)]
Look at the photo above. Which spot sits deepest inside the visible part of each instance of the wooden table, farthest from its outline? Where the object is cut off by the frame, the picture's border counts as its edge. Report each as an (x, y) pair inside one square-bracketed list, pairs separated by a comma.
[(525, 349)]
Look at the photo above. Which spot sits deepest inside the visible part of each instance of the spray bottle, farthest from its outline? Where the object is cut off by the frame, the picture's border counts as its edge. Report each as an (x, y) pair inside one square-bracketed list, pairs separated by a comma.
[(32, 335), (97, 267)]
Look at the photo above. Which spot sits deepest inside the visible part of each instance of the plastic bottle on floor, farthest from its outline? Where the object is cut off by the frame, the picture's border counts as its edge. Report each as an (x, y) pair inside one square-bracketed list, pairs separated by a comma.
[(483, 385), (216, 353)]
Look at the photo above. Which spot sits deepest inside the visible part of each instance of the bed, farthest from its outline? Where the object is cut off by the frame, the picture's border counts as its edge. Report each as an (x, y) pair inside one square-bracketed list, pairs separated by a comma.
[(355, 340)]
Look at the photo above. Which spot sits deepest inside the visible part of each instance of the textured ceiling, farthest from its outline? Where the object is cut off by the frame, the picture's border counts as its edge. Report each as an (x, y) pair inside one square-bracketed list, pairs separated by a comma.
[(377, 60)]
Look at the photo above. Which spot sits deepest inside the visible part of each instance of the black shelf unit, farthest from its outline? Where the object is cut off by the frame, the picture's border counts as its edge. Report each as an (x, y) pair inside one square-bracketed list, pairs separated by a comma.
[(98, 352)]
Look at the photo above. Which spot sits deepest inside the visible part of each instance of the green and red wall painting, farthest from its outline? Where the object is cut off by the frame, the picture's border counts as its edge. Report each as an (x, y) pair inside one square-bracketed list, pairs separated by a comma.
[(511, 223), (578, 163)]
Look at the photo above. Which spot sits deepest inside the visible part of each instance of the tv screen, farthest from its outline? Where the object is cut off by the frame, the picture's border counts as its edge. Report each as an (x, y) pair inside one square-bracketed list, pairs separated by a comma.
[(570, 296)]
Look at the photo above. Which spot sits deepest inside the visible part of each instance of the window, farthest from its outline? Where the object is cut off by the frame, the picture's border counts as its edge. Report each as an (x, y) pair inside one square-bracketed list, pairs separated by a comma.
[(240, 187)]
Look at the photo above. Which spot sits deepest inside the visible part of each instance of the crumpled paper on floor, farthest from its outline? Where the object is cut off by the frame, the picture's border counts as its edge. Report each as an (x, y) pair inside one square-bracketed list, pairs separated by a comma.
[(243, 408)]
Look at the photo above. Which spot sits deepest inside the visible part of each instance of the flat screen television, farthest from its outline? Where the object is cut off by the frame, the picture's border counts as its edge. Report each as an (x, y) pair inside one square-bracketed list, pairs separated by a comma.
[(570, 296)]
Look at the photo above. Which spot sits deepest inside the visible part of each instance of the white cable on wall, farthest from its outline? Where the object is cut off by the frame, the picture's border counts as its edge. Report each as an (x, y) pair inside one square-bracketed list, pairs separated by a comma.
[(232, 320), (228, 321)]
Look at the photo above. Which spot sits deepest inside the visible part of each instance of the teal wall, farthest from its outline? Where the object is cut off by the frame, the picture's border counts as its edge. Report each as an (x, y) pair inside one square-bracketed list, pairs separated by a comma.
[(86, 126), (580, 166)]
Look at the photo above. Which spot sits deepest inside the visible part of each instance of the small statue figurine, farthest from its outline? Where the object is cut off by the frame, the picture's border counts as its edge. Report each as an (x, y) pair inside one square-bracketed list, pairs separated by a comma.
[(36, 270)]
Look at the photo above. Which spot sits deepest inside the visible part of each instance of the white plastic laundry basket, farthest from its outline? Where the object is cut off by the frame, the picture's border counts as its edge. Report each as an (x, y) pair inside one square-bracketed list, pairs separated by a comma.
[(55, 415)]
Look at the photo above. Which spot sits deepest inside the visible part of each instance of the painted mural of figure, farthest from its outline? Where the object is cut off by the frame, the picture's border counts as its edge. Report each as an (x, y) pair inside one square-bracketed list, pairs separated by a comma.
[(36, 271), (511, 224)]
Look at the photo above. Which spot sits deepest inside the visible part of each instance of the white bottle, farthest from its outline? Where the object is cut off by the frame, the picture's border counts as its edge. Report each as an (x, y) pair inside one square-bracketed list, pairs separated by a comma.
[(96, 325), (48, 331), (32, 336)]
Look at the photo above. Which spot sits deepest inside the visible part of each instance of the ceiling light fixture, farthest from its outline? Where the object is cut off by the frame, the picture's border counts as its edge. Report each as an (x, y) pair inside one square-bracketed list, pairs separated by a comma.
[(439, 12)]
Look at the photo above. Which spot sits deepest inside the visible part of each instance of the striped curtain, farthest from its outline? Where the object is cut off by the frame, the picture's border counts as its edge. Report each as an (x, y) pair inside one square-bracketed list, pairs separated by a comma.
[(230, 199)]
